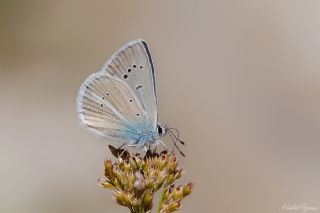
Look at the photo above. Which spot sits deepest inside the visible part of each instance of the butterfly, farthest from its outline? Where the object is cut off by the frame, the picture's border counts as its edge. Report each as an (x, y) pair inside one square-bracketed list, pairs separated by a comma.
[(120, 101)]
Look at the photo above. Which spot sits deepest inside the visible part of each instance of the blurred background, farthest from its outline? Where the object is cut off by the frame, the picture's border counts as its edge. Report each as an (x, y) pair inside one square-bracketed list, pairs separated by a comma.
[(239, 79)]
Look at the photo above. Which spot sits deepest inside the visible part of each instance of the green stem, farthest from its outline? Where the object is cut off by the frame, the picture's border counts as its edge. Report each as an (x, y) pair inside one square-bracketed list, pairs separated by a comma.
[(161, 199), (141, 210)]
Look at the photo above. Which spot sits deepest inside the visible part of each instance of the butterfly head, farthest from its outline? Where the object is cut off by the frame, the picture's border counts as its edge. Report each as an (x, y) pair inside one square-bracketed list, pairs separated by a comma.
[(162, 130)]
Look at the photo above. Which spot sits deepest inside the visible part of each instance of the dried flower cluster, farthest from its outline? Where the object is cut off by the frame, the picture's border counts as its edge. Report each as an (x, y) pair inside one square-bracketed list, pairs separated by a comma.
[(135, 179)]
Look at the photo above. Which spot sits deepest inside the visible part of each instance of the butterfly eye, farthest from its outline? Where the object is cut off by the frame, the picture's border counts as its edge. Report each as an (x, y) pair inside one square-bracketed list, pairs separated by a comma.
[(161, 130)]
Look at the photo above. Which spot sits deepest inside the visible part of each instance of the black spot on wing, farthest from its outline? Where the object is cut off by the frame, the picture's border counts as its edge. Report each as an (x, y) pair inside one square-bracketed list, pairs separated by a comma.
[(139, 87)]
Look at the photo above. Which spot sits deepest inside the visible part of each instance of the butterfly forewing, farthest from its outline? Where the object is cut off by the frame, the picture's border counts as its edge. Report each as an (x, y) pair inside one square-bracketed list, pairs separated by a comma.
[(133, 64)]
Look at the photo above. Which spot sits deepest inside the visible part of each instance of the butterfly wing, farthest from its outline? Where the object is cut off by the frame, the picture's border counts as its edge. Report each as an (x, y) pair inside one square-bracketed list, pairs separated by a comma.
[(115, 102), (133, 64)]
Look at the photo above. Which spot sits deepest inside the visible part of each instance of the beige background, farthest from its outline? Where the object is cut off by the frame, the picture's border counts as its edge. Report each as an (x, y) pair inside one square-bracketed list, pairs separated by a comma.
[(239, 79)]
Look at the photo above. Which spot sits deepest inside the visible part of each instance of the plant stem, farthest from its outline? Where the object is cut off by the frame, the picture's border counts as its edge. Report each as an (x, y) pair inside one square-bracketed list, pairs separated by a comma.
[(161, 199), (141, 210)]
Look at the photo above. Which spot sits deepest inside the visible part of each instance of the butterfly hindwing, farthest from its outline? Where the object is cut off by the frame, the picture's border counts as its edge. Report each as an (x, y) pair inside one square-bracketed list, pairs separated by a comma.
[(120, 101)]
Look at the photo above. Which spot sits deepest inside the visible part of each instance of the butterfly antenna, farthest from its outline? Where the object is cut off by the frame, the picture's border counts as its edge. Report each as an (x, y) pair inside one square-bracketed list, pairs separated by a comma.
[(177, 136), (174, 140)]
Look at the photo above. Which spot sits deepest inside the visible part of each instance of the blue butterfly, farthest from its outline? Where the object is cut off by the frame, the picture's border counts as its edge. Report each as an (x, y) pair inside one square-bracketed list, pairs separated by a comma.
[(120, 100)]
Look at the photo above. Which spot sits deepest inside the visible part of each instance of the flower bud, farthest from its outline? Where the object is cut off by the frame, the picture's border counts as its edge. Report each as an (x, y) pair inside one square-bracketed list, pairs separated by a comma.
[(166, 196), (177, 193), (139, 182), (108, 168), (175, 206), (120, 197), (161, 178), (178, 174), (147, 201), (187, 189), (126, 167), (170, 179), (164, 209), (138, 161), (130, 181), (106, 185), (128, 198), (120, 177), (163, 164), (132, 164), (155, 160), (149, 183), (136, 203), (117, 183), (121, 165)]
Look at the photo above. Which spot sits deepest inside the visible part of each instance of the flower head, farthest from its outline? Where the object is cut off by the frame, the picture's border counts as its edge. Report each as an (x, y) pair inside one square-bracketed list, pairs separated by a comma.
[(134, 180)]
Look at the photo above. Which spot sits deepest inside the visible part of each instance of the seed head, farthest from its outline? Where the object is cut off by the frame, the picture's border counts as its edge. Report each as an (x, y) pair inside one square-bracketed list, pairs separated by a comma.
[(135, 179)]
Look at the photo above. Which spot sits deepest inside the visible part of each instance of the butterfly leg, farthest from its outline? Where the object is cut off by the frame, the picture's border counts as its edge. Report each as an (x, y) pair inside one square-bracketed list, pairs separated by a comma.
[(145, 149), (124, 150), (121, 146), (157, 142)]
